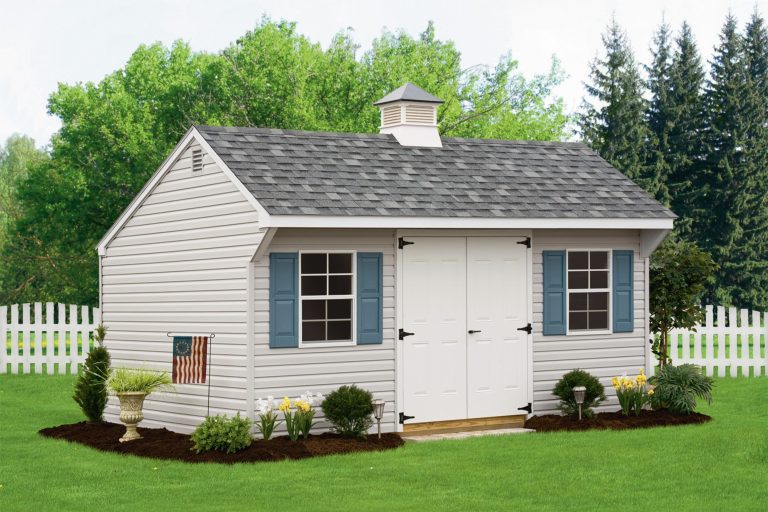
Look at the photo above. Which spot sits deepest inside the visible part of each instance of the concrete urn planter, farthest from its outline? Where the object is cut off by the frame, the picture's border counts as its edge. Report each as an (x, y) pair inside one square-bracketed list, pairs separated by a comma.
[(131, 404)]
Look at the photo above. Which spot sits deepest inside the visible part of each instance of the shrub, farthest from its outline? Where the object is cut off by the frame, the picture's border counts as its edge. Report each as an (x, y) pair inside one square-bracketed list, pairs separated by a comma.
[(222, 434), (91, 388), (349, 410), (678, 387), (592, 397), (125, 380)]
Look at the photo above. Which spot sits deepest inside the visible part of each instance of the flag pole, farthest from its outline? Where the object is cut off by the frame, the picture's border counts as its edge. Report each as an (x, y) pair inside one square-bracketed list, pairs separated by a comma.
[(210, 346)]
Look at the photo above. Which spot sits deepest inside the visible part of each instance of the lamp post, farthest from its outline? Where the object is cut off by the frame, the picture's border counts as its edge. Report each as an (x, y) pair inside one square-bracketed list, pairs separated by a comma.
[(378, 413), (578, 395)]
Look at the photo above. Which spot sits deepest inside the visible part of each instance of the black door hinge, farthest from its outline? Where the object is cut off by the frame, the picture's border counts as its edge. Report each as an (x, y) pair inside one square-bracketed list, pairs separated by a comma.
[(527, 408), (401, 334), (527, 329), (404, 417), (526, 242), (402, 243)]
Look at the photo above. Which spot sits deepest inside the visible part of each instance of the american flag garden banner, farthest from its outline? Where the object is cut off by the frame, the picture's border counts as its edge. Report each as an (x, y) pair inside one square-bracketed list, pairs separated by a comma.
[(190, 359)]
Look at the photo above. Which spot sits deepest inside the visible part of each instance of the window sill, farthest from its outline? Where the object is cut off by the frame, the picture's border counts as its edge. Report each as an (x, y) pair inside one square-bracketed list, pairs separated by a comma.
[(588, 333), (328, 344)]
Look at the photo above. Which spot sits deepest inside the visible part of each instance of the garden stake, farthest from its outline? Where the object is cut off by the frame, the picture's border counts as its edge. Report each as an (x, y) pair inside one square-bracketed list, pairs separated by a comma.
[(578, 395)]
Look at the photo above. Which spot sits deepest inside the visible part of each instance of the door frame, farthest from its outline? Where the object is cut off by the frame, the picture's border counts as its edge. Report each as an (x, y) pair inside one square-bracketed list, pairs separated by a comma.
[(399, 353)]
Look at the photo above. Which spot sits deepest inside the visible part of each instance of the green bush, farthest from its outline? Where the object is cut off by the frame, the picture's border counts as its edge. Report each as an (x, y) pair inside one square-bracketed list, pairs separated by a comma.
[(564, 391), (222, 434), (678, 387), (349, 410), (91, 388)]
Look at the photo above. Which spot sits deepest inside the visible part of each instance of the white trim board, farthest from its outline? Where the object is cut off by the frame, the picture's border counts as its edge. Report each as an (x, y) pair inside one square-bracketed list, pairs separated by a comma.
[(323, 221), (191, 135)]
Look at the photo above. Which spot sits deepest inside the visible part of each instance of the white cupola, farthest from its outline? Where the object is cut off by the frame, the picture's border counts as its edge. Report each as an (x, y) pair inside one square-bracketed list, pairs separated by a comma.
[(410, 114)]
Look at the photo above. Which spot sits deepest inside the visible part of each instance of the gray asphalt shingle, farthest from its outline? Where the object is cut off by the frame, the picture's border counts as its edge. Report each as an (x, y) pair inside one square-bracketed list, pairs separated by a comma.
[(319, 173)]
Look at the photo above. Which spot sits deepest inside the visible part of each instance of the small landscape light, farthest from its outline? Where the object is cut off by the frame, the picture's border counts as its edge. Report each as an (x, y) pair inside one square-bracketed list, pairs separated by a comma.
[(378, 413), (578, 395)]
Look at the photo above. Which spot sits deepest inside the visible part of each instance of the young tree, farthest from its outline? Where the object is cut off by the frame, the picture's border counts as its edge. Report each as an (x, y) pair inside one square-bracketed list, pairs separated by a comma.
[(679, 275), (614, 125), (91, 386)]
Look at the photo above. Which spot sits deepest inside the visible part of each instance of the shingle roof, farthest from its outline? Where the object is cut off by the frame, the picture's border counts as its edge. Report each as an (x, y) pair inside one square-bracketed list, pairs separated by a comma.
[(409, 92), (342, 174)]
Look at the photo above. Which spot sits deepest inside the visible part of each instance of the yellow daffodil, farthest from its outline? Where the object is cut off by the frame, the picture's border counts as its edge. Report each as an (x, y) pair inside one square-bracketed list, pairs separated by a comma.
[(285, 405), (650, 392)]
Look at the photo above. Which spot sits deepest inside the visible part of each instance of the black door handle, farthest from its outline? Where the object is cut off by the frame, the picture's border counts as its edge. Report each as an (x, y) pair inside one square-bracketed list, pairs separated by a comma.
[(473, 331)]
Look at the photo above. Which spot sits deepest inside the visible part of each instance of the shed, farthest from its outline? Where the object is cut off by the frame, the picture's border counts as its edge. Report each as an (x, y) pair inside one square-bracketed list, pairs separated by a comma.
[(456, 279)]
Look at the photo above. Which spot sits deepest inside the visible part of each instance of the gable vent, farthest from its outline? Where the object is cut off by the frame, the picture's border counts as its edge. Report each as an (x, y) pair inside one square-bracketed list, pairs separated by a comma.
[(197, 160), (390, 115), (420, 114)]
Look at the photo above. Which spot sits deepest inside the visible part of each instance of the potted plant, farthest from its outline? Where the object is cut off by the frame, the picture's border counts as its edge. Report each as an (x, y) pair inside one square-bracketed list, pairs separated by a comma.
[(131, 387)]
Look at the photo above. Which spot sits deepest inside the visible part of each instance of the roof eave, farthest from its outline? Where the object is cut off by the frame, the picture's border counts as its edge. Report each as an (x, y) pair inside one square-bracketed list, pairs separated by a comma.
[(372, 222)]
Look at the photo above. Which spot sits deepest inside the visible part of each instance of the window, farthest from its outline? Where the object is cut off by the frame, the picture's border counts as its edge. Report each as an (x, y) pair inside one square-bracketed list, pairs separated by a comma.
[(327, 297), (588, 290)]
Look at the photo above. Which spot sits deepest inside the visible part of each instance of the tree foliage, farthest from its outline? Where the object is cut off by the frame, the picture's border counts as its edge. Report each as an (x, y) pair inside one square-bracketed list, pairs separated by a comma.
[(116, 132), (679, 275)]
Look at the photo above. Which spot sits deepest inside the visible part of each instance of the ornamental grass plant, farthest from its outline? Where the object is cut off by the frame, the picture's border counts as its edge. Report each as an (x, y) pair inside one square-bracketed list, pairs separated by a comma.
[(127, 380)]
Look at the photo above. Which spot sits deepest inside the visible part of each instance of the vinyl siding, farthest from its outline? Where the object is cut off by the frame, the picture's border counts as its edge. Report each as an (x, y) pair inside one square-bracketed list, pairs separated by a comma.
[(293, 371), (603, 355), (180, 264)]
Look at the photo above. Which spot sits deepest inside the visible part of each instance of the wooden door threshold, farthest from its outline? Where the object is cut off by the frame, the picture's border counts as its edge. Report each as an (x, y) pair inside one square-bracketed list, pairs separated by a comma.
[(465, 425)]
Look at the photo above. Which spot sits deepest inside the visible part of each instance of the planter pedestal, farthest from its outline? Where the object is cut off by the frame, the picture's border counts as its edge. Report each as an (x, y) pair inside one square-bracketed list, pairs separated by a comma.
[(131, 413)]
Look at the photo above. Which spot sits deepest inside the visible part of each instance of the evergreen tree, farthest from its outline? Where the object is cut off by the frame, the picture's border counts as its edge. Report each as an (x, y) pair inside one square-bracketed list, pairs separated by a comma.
[(615, 126), (660, 109), (730, 192), (685, 129)]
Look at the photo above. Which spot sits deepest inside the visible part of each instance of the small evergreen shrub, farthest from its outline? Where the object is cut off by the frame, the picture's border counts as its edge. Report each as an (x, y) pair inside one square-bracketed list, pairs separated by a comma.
[(349, 410), (564, 391), (222, 434), (91, 386), (678, 387)]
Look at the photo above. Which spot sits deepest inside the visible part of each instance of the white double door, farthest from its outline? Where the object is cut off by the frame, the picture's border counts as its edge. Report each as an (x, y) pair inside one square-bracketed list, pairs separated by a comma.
[(465, 300)]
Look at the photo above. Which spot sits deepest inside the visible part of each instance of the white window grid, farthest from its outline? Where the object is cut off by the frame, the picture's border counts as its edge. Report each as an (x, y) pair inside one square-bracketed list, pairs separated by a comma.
[(327, 296), (609, 329)]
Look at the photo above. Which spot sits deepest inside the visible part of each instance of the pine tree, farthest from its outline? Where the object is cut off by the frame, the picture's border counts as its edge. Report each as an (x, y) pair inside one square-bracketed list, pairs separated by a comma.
[(616, 127), (730, 189), (755, 54), (91, 386), (686, 127), (660, 108)]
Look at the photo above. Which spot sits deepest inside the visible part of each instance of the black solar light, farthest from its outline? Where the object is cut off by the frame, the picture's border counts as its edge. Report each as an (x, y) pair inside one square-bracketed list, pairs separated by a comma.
[(578, 394), (378, 413)]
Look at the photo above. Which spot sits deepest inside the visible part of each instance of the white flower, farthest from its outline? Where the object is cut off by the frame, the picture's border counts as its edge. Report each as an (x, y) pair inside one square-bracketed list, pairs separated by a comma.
[(263, 406)]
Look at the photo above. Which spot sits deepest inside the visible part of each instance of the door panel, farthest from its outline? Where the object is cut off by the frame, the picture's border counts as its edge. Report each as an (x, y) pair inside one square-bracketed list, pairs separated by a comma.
[(434, 309), (497, 298)]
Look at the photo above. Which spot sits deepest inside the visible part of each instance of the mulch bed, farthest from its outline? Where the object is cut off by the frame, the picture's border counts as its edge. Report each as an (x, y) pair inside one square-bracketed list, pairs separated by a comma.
[(614, 421), (160, 443)]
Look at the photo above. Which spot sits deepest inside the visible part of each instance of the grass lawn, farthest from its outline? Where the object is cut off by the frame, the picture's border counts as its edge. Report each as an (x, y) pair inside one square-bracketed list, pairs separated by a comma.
[(722, 465)]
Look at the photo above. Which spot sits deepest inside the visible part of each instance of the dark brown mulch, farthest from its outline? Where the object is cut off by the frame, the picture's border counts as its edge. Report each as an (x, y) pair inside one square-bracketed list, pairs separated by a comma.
[(614, 421), (160, 443)]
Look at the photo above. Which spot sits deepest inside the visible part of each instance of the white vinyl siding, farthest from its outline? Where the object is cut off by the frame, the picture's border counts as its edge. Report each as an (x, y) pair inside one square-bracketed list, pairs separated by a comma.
[(180, 264), (292, 371), (602, 354)]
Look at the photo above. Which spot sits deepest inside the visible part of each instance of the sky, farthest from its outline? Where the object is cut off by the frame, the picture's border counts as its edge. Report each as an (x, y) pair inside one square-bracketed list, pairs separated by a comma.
[(44, 43)]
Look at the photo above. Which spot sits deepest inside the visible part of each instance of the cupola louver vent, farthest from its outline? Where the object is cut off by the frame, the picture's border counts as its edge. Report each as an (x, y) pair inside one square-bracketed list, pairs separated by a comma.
[(410, 114), (197, 160)]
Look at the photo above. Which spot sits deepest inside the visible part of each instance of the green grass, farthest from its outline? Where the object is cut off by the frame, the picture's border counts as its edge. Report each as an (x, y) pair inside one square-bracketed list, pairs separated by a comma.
[(719, 466)]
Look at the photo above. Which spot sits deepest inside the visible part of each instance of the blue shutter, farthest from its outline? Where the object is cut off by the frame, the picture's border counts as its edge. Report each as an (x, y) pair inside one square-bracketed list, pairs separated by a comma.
[(554, 293), (283, 300), (623, 317), (370, 302)]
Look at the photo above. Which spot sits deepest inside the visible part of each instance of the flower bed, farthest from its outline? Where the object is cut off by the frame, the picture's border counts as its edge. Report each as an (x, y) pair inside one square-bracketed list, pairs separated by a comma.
[(160, 443), (614, 421)]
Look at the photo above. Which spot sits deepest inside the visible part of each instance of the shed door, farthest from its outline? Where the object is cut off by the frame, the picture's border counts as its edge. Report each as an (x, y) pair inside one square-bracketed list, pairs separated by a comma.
[(452, 285)]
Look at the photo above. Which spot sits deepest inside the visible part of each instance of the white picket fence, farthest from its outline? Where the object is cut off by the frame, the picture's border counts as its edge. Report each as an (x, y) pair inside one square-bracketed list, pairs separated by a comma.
[(50, 343), (728, 342)]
